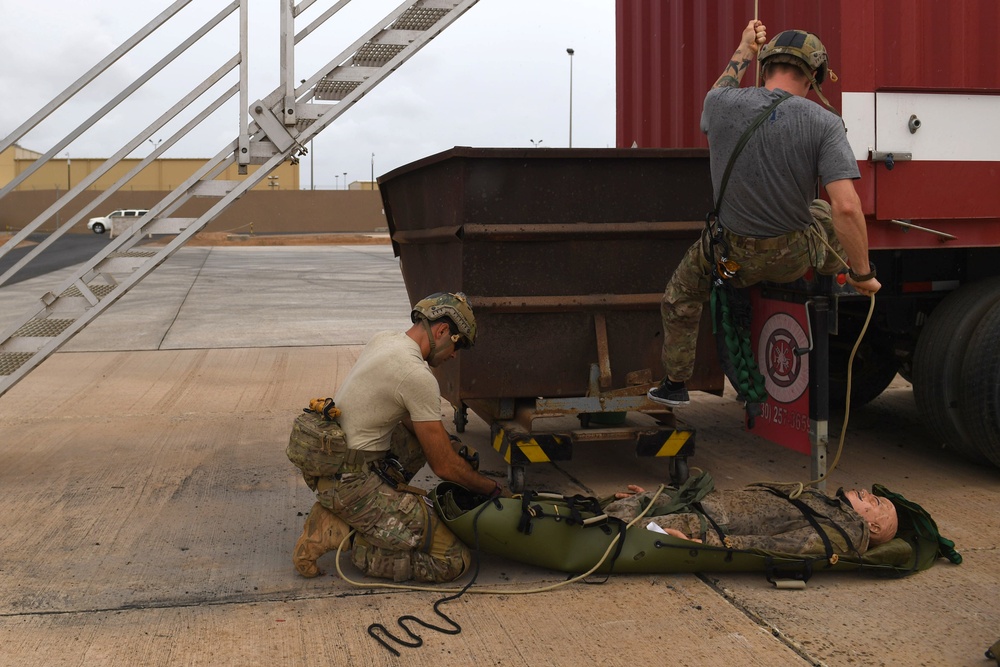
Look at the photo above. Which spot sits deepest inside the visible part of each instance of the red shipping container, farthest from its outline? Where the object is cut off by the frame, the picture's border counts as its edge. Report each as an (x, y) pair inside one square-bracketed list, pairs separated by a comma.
[(898, 61)]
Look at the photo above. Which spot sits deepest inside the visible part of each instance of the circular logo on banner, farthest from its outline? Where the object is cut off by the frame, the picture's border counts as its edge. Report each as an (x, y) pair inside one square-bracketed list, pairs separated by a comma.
[(786, 376)]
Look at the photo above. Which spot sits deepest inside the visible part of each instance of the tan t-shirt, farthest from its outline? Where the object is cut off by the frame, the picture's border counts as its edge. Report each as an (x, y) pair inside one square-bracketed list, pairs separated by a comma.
[(389, 381)]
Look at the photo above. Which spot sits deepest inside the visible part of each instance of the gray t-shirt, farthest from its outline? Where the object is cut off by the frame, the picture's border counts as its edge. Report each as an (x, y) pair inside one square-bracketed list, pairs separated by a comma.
[(774, 178)]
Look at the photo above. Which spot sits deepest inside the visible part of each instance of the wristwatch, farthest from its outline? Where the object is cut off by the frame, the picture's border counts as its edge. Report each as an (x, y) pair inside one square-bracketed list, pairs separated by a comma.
[(862, 278)]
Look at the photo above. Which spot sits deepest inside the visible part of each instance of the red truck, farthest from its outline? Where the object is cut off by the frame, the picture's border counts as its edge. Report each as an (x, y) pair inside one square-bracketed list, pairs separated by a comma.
[(918, 86)]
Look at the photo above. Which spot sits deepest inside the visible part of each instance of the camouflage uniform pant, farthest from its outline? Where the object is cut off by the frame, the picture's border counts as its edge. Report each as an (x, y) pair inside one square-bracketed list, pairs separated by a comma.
[(780, 259), (755, 518), (398, 535)]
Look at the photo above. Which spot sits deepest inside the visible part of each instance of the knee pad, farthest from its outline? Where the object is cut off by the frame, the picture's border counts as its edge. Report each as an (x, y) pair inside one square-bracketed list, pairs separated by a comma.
[(382, 563)]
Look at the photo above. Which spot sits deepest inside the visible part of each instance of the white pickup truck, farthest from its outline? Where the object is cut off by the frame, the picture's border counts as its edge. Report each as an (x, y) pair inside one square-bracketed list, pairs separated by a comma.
[(103, 223)]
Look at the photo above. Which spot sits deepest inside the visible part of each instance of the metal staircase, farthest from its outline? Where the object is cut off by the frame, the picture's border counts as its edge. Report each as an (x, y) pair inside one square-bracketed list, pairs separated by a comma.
[(272, 130)]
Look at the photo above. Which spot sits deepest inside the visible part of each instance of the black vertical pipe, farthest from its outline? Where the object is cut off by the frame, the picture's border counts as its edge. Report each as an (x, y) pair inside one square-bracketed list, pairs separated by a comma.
[(819, 361)]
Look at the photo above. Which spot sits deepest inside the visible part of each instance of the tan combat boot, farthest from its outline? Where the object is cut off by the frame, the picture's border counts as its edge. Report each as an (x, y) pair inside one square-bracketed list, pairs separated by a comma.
[(323, 532)]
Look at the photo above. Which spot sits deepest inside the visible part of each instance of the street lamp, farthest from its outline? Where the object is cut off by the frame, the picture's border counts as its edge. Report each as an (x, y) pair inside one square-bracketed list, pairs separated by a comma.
[(345, 180), (570, 52), (373, 172), (69, 179), (336, 181), (155, 143), (535, 143)]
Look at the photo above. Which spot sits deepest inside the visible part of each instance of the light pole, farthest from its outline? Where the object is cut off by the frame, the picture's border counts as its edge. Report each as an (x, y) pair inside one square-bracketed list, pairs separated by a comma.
[(155, 143), (336, 179), (535, 143), (373, 172), (69, 179), (570, 52), (345, 180)]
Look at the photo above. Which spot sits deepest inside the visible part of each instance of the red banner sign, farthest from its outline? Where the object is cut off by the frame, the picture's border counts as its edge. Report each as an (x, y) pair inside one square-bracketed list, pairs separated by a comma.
[(780, 329)]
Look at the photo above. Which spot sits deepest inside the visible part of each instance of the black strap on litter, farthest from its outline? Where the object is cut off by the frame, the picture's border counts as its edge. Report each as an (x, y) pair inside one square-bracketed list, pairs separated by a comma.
[(811, 516), (621, 525), (575, 507), (802, 573), (718, 529)]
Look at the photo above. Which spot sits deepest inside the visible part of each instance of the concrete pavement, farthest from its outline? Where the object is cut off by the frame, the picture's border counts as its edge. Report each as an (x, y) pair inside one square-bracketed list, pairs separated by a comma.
[(149, 511)]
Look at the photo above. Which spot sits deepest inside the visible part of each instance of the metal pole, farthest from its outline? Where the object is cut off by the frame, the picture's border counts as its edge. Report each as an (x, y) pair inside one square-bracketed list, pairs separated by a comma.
[(345, 180), (373, 172), (819, 389), (69, 181), (570, 52), (312, 166)]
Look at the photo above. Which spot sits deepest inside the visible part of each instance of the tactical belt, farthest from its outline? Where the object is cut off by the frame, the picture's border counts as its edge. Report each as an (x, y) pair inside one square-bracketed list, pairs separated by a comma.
[(357, 460), (754, 244)]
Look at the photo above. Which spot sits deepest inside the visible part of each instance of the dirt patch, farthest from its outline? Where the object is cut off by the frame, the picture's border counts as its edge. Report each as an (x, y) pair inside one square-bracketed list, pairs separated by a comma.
[(230, 239), (6, 236)]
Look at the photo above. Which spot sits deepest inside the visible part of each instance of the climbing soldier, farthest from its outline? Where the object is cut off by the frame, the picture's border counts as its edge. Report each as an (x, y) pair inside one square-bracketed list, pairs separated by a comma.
[(768, 147), (390, 415)]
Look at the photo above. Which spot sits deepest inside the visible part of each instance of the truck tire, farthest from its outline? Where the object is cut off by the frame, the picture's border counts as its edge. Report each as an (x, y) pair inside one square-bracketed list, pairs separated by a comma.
[(938, 362), (980, 395), (875, 364)]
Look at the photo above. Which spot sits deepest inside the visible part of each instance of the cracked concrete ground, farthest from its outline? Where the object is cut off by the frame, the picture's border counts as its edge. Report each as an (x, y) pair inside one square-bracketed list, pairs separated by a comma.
[(149, 511)]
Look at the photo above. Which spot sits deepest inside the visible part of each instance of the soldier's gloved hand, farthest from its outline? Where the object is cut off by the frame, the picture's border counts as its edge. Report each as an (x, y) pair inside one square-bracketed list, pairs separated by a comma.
[(470, 455)]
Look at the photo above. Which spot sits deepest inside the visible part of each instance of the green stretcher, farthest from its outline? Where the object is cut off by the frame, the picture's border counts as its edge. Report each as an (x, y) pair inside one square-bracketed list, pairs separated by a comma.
[(571, 534)]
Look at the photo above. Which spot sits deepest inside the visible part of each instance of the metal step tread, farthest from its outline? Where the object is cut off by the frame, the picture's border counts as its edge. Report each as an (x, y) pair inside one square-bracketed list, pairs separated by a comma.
[(43, 328), (11, 361)]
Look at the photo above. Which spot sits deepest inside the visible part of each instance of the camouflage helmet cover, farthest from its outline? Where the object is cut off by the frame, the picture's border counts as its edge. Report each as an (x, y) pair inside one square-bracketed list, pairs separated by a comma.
[(797, 47), (453, 306)]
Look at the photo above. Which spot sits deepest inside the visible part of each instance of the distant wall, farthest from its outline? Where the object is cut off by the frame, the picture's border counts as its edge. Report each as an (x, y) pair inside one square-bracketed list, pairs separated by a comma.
[(270, 211)]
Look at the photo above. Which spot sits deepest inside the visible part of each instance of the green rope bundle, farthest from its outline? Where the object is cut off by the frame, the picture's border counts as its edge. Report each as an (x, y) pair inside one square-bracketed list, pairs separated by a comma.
[(737, 341)]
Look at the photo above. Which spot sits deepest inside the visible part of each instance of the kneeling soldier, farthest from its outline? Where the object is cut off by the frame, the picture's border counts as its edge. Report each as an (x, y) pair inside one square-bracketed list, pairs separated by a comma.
[(390, 407)]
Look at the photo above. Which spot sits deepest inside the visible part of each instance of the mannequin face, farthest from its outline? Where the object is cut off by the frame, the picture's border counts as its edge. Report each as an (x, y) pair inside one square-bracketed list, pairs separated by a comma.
[(878, 512)]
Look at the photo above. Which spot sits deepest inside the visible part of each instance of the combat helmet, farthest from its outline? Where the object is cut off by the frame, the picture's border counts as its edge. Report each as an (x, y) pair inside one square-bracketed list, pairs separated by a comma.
[(803, 49), (797, 47), (453, 306)]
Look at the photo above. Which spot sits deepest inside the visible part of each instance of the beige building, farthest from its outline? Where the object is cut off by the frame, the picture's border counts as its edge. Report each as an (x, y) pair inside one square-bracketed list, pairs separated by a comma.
[(274, 205), (162, 175)]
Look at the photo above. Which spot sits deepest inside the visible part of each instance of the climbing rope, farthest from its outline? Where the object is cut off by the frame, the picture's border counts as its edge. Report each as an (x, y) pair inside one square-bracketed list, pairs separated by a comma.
[(736, 338)]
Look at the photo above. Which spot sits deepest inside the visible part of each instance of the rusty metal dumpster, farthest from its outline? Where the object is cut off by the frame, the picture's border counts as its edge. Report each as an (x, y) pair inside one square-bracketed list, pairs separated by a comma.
[(563, 254)]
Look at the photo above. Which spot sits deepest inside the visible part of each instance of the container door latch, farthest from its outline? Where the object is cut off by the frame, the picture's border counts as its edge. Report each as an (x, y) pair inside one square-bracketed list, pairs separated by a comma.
[(890, 158)]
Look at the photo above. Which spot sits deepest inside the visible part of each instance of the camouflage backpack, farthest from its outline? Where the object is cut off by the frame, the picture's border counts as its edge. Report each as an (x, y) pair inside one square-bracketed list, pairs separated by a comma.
[(317, 445)]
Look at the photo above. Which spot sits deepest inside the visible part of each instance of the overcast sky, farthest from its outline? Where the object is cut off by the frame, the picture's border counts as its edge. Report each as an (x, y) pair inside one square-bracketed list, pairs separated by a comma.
[(499, 76)]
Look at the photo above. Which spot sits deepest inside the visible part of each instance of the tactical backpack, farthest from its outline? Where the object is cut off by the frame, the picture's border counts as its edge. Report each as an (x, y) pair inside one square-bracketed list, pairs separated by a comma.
[(317, 445)]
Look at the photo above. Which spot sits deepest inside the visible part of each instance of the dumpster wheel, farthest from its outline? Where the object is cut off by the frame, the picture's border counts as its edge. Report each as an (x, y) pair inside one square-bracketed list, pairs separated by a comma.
[(679, 470)]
